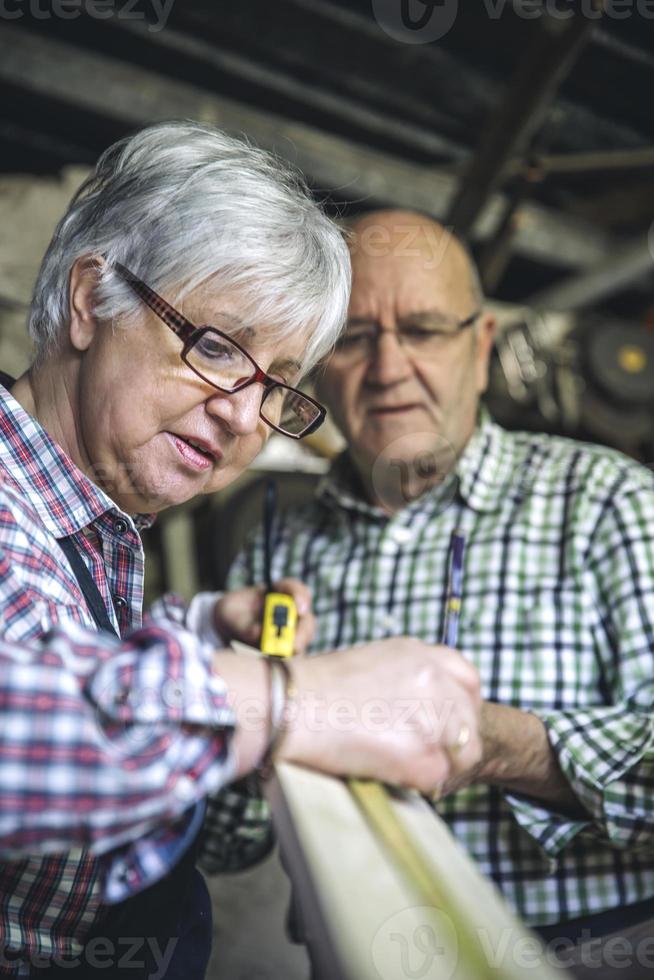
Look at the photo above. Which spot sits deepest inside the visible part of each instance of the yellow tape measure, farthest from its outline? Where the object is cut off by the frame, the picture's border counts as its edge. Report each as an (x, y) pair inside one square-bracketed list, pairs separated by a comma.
[(374, 801), (279, 622), (279, 611)]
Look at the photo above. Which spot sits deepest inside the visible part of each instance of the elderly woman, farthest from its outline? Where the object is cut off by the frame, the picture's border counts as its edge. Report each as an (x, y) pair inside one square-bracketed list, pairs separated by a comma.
[(188, 288)]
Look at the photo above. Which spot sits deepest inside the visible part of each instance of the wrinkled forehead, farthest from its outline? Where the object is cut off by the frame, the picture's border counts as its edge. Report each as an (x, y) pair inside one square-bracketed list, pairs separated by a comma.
[(257, 326)]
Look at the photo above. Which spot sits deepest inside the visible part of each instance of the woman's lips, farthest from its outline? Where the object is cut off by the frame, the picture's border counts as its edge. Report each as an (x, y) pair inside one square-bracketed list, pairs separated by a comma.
[(193, 457)]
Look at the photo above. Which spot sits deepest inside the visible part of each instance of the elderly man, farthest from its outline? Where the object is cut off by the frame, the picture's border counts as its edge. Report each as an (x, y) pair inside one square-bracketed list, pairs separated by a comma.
[(542, 550), (114, 729)]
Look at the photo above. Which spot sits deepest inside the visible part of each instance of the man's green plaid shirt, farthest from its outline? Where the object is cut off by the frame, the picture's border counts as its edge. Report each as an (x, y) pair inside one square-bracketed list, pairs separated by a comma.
[(557, 616)]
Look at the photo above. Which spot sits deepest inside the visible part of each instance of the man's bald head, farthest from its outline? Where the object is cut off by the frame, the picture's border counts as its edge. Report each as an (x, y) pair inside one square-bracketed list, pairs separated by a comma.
[(404, 382), (407, 242)]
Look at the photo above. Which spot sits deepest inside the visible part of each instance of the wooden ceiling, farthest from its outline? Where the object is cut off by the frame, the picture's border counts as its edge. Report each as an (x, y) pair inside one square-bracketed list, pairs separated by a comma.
[(372, 121)]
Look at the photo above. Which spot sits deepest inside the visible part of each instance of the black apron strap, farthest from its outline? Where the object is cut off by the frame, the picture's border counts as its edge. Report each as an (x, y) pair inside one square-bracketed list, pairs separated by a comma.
[(173, 916), (89, 589)]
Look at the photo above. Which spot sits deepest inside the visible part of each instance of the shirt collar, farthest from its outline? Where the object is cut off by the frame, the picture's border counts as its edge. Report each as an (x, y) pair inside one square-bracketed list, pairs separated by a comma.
[(487, 465), (62, 495), (483, 474)]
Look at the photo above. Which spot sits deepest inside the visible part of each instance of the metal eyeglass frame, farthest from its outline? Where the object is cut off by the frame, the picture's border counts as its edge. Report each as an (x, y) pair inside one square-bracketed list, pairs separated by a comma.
[(460, 326), (189, 334)]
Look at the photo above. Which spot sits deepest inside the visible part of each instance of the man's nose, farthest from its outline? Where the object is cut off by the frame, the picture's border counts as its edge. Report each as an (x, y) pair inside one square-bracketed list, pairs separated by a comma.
[(389, 360), (238, 411)]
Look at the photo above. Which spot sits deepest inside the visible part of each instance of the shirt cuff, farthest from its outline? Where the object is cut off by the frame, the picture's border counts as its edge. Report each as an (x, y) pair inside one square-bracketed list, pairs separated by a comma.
[(606, 755), (601, 752), (552, 831), (148, 860), (200, 619)]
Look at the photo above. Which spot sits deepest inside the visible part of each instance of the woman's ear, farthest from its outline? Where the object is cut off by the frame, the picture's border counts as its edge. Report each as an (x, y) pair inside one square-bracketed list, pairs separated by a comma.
[(82, 285)]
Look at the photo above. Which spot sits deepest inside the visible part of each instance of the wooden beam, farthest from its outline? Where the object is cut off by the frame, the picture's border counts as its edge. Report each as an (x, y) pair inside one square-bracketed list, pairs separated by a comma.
[(134, 97), (628, 264), (345, 50), (582, 163), (514, 123), (316, 98)]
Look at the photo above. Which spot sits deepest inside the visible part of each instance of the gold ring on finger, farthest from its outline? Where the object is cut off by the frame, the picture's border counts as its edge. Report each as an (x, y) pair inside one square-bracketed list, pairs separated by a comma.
[(461, 740)]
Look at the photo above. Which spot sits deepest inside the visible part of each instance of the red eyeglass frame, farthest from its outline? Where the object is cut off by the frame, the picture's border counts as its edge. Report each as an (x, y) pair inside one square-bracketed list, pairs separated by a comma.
[(190, 334)]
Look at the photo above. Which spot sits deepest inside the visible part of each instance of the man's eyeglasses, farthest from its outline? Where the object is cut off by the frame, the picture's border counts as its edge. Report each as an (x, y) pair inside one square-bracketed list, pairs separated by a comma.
[(422, 334), (227, 366)]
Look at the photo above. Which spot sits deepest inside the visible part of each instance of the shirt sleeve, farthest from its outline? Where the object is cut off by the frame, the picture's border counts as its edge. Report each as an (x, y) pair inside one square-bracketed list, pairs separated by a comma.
[(237, 831), (607, 752), (102, 740), (197, 615)]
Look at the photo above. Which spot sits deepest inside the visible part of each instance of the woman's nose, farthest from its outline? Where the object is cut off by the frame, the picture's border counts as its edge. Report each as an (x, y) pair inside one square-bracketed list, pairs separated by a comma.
[(240, 410)]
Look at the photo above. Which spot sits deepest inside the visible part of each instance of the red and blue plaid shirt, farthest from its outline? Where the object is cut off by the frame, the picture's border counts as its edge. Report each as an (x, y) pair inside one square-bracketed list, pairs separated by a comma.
[(106, 744)]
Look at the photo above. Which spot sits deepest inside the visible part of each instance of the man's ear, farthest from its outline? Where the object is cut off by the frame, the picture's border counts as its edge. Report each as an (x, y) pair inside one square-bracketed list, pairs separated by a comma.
[(484, 345), (81, 288)]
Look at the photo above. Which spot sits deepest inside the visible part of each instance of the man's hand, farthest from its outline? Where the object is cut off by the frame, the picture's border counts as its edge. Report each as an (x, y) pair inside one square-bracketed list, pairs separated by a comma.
[(515, 754), (238, 615)]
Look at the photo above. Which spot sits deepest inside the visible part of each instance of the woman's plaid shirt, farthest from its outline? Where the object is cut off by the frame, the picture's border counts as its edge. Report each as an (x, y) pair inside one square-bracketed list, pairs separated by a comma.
[(557, 616), (97, 747)]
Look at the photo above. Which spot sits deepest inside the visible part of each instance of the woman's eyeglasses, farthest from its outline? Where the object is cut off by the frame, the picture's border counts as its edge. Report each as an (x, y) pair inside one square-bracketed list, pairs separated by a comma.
[(228, 367)]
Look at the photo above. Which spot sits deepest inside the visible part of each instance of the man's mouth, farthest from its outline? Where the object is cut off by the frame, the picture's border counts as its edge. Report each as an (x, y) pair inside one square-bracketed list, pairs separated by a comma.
[(392, 409)]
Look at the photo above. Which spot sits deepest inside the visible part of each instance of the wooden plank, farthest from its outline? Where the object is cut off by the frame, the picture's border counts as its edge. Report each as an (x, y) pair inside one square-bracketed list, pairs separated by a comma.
[(364, 919)]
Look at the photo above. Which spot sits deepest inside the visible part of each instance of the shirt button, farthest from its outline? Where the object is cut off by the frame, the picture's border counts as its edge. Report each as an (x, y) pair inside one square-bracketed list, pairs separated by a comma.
[(388, 622), (120, 602), (120, 526), (401, 534)]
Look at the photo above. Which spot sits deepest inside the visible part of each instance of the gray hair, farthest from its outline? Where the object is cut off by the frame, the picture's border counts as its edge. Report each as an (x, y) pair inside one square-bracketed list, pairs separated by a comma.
[(180, 203)]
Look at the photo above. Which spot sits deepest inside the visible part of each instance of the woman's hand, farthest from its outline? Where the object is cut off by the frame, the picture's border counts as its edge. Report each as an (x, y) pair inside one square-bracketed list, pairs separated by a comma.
[(397, 710), (238, 615)]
